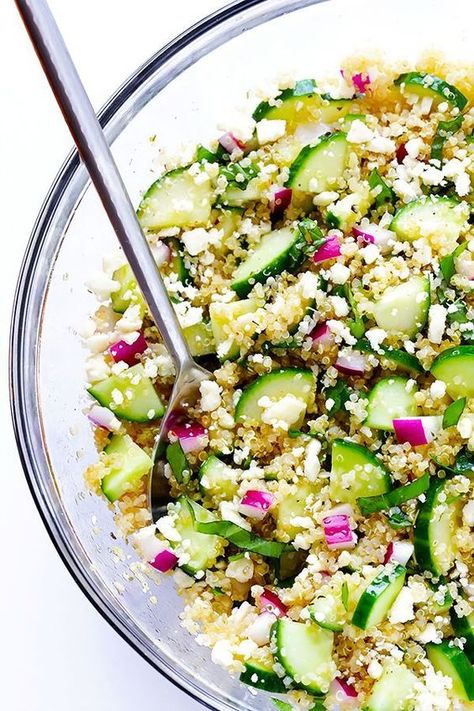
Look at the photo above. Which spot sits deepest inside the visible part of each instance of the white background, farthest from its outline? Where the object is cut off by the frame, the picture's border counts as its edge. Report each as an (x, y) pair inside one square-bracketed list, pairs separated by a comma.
[(56, 652)]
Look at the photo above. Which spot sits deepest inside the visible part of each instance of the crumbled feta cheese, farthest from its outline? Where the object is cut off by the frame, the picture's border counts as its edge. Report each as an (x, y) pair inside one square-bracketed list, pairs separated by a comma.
[(376, 336), (436, 323), (146, 542), (402, 608), (380, 144), (221, 653), (131, 320), (340, 305), (430, 634), (240, 569), (359, 132), (210, 395), (309, 283), (187, 314), (437, 389), (97, 368), (325, 198), (283, 413), (312, 465), (166, 527), (182, 579), (468, 513), (413, 147), (375, 669), (339, 273), (196, 240), (270, 130), (465, 426), (370, 253), (229, 512), (102, 285), (259, 630)]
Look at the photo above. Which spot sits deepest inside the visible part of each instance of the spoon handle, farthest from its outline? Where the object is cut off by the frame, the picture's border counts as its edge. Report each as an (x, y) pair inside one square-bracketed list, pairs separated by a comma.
[(97, 157)]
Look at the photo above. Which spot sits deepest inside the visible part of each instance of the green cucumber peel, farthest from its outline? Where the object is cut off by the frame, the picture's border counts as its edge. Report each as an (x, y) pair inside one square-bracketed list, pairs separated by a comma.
[(453, 412), (406, 360), (383, 502)]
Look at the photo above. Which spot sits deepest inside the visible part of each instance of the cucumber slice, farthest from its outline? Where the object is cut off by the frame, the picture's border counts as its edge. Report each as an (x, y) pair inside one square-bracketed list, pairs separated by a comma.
[(217, 479), (303, 104), (262, 677), (275, 385), (128, 292), (403, 360), (455, 367), (139, 400), (291, 506), (305, 653), (435, 524), (394, 691), (203, 549), (378, 597), (440, 219), (176, 200), (200, 339), (404, 308), (127, 464), (355, 471), (328, 612), (235, 197), (452, 662), (430, 85), (226, 316), (464, 627), (320, 167), (177, 265), (390, 399), (271, 257)]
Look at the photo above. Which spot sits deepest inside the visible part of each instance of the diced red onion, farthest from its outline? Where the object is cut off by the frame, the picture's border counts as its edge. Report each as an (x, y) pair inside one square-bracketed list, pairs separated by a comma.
[(338, 533), (270, 602), (191, 435), (308, 132), (322, 334), (417, 430), (164, 560), (342, 690), (128, 352), (256, 504), (401, 153), (361, 82), (230, 143), (353, 363), (280, 199), (399, 552), (329, 250), (104, 418), (373, 234)]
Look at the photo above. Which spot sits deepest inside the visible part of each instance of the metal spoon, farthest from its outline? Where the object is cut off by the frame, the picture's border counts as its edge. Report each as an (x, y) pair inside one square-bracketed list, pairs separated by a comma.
[(95, 153)]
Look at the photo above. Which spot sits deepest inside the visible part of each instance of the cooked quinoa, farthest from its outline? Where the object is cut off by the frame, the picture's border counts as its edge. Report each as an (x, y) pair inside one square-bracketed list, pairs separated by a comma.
[(321, 264)]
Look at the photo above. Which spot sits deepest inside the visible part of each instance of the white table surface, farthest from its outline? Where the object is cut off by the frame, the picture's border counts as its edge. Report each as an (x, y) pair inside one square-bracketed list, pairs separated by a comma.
[(57, 653)]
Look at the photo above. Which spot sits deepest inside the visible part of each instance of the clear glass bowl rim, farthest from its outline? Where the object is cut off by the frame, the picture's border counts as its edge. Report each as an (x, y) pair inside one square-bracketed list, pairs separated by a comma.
[(32, 285)]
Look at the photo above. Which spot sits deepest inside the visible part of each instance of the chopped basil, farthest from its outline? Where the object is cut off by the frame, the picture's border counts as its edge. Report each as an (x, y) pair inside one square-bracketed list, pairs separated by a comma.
[(237, 176), (177, 460), (381, 502), (448, 265), (340, 394), (398, 519), (453, 412), (205, 155), (244, 539), (445, 130), (385, 194)]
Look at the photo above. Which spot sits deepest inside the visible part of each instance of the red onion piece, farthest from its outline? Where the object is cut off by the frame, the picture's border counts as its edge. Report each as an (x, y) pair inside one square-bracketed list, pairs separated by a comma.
[(270, 602), (230, 143), (280, 200), (104, 418), (128, 352), (343, 690), (337, 532), (161, 253), (164, 560), (322, 334), (417, 431), (191, 435), (361, 82), (399, 552), (329, 250), (353, 363), (401, 153), (256, 504)]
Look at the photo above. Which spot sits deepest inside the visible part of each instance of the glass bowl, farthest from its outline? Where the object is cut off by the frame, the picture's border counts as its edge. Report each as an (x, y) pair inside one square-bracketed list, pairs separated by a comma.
[(180, 93)]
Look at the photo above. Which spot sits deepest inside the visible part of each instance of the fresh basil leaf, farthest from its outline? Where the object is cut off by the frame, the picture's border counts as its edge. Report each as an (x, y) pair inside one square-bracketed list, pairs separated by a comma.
[(444, 130), (340, 394), (464, 463), (176, 458), (382, 502), (237, 176), (385, 193), (345, 595), (205, 155), (244, 539), (453, 412), (448, 265)]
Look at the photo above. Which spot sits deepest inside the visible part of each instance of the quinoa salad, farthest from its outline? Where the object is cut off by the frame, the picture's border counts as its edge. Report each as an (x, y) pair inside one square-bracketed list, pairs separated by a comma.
[(320, 259)]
